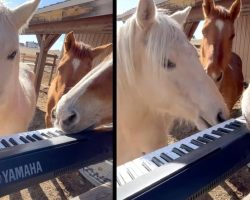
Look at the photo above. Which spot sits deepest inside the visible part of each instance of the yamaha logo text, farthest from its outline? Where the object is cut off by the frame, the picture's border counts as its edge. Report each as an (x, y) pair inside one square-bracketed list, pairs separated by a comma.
[(20, 172)]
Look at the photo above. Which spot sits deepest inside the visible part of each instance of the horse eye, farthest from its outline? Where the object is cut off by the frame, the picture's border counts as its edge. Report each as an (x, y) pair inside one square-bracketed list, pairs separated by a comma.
[(232, 36), (169, 64), (219, 78), (12, 55)]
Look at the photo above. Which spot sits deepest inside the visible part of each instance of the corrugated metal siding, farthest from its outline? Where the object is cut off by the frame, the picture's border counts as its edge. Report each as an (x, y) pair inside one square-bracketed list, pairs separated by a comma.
[(94, 40), (241, 43)]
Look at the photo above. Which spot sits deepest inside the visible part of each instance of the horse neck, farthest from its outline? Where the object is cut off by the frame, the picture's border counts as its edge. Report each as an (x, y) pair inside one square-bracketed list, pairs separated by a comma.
[(12, 88)]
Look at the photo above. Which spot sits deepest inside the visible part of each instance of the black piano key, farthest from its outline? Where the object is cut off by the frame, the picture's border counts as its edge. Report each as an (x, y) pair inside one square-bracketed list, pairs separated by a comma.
[(30, 138), (146, 166), (224, 130), (166, 157), (23, 139), (178, 152), (60, 132), (186, 147), (157, 161), (52, 134), (230, 126), (130, 174), (219, 133), (5, 143), (237, 124), (12, 141), (197, 143), (204, 140), (45, 135), (36, 137), (210, 137)]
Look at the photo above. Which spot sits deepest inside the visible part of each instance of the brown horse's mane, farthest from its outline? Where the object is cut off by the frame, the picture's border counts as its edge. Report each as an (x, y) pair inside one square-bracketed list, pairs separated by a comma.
[(81, 50), (221, 12)]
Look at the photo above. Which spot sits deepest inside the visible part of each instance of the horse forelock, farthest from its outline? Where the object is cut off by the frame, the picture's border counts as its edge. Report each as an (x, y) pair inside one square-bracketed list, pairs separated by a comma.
[(163, 34)]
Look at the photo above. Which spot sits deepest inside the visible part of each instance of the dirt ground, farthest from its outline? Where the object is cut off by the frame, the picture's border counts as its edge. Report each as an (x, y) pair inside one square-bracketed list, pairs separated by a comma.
[(64, 187)]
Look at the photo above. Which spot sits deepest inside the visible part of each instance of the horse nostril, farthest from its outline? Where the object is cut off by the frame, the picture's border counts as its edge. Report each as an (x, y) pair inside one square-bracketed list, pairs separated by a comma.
[(220, 117), (53, 113), (70, 120)]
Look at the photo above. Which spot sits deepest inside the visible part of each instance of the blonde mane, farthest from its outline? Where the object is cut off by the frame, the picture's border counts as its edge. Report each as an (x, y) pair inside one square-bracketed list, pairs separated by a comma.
[(163, 31)]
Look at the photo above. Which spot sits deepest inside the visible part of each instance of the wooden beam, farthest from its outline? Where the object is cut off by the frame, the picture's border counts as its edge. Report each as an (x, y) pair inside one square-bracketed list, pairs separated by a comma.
[(196, 12), (46, 40), (189, 29), (101, 24)]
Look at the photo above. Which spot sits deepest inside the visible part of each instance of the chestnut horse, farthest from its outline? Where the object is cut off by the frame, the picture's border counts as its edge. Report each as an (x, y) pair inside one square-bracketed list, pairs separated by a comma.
[(75, 63), (89, 102), (217, 58), (17, 92), (159, 79)]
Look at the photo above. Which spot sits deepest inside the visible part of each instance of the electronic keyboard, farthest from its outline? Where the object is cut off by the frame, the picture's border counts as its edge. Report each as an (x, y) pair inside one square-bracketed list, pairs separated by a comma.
[(32, 157), (189, 167)]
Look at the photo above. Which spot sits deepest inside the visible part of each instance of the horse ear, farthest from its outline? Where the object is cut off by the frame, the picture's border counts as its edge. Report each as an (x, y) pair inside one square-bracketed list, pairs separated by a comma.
[(98, 50), (145, 13), (22, 14), (69, 41), (235, 9), (208, 7), (181, 16)]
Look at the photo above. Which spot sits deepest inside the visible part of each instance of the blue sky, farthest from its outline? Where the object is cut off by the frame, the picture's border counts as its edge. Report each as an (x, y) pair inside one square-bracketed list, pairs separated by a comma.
[(23, 38), (124, 5)]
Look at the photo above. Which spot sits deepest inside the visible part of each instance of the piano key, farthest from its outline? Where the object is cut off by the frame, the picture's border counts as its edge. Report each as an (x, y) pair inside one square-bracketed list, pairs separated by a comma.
[(219, 133), (157, 161), (124, 174), (224, 130), (120, 179), (235, 123), (135, 169), (5, 143), (231, 126), (37, 137), (45, 135), (186, 147), (131, 173), (144, 164), (210, 137), (51, 134), (197, 143), (204, 140), (12, 141), (23, 139), (139, 164), (178, 151), (166, 157), (30, 138)]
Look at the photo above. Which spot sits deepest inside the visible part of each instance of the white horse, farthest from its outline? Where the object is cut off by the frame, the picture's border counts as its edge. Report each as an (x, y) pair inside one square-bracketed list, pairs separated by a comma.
[(17, 93), (89, 103), (159, 78), (245, 105)]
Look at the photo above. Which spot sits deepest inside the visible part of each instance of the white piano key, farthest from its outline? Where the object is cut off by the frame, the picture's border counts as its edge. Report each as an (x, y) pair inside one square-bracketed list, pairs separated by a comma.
[(120, 179), (2, 146), (138, 163), (168, 150), (16, 138), (124, 174), (134, 168)]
